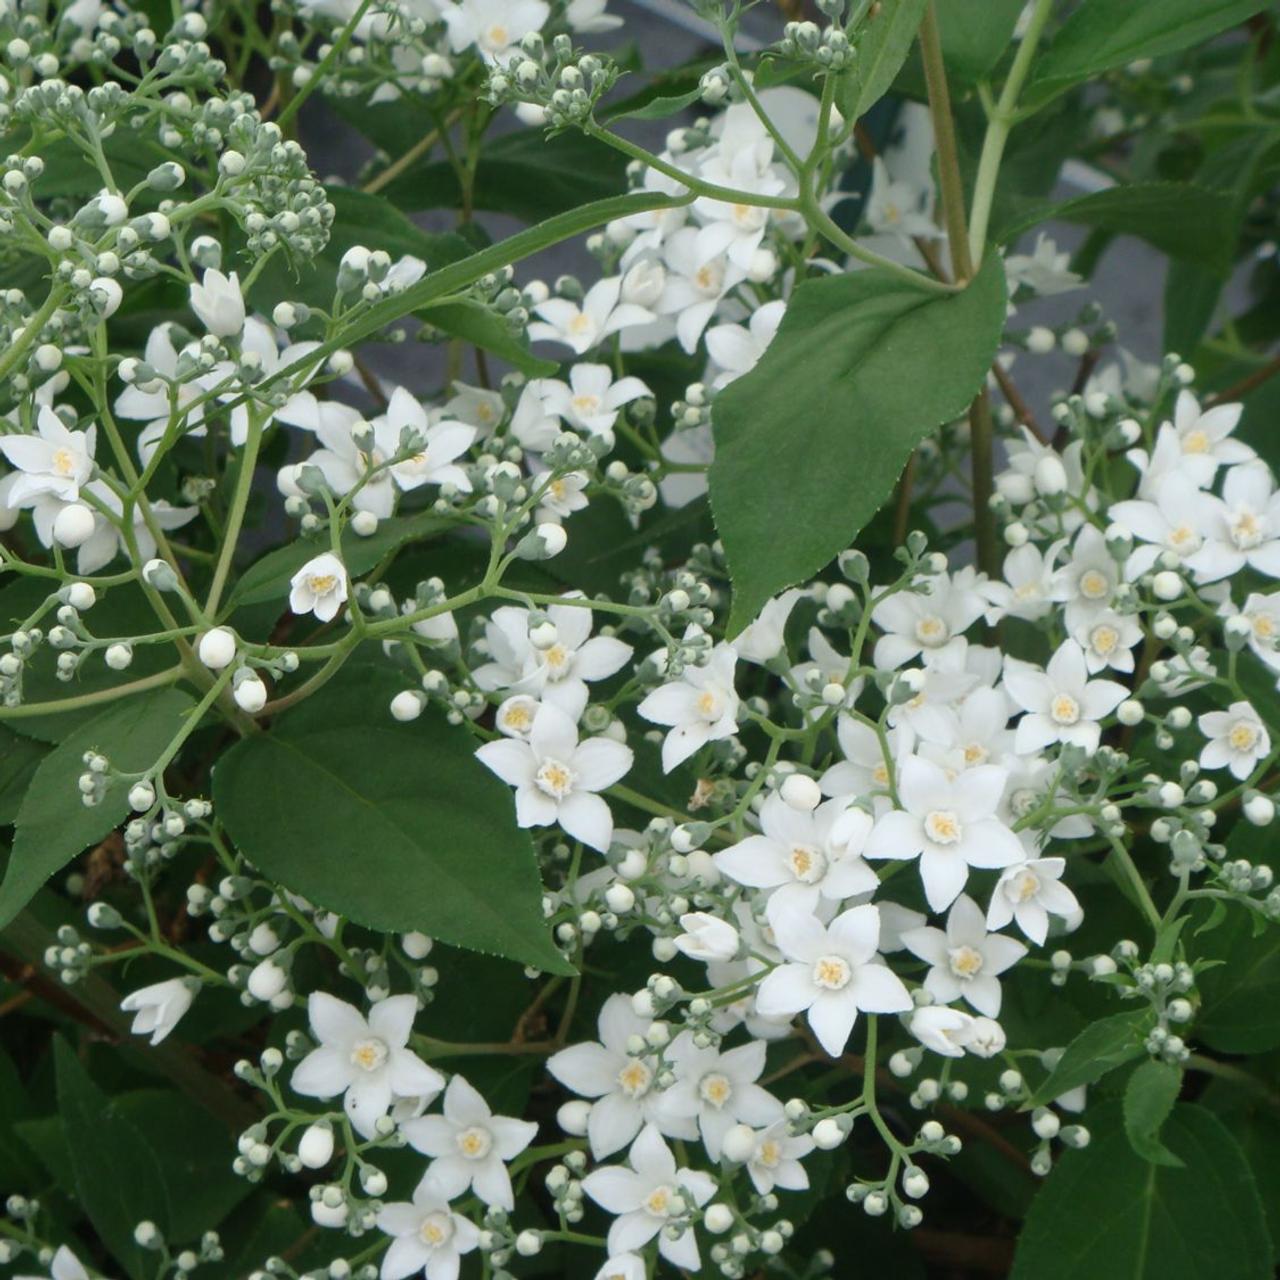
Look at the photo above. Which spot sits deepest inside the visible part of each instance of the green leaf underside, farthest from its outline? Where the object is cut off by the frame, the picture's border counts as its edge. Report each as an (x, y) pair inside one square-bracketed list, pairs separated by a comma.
[(810, 443), (1106, 1214), (52, 825), (1149, 1099), (119, 1181), (1100, 1047), (1103, 34), (1186, 221), (268, 578), (396, 829)]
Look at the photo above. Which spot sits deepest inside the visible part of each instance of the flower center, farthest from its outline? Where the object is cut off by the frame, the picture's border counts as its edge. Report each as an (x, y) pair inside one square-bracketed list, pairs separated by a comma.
[(635, 1078), (1264, 626), (1195, 442), (64, 462), (880, 775), (554, 779), (707, 279), (931, 630), (975, 753), (436, 1229), (498, 36), (1094, 584), (710, 705), (1023, 801), (942, 827), (586, 404), (716, 1089), (1103, 639), (1022, 887), (321, 583), (832, 973), (581, 323), (557, 659), (1243, 735), (1184, 539), (965, 962), (661, 1202), (517, 718), (475, 1143), (1064, 709), (1247, 530), (770, 1153), (369, 1054), (806, 864)]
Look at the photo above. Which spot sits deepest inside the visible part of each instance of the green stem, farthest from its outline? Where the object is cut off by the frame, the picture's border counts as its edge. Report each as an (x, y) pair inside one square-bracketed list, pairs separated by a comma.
[(235, 518), (31, 331), (336, 51)]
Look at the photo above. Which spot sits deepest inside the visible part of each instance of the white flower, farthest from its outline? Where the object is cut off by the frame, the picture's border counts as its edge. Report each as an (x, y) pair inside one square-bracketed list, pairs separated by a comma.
[(649, 1198), (915, 623), (1262, 612), (561, 495), (589, 402), (624, 1085), (588, 17), (832, 971), (557, 672), (692, 290), (1200, 439), (218, 303), (775, 1162), (1175, 520), (1029, 893), (966, 960), (706, 937), (434, 448), (700, 707), (622, 1266), (157, 1009), (65, 1266), (804, 855), (863, 770), (556, 777), (1062, 703), (1108, 639), (945, 1031), (737, 350), (365, 1061), (899, 208), (1237, 740), (1088, 581), (694, 447), (54, 462), (1044, 271), (319, 587), (1242, 528), (763, 640), (581, 327), (470, 1146), (720, 1089), (1028, 582), (494, 27), (429, 1236), (949, 824), (477, 407)]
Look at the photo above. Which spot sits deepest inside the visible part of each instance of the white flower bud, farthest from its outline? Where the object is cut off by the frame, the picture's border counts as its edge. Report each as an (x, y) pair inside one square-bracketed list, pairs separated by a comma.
[(739, 1144), (1166, 585), (407, 705), (73, 525), (1050, 476), (717, 1218), (266, 981), (217, 648), (250, 694), (827, 1135), (1260, 810), (572, 1117), (118, 656), (1130, 712), (801, 792)]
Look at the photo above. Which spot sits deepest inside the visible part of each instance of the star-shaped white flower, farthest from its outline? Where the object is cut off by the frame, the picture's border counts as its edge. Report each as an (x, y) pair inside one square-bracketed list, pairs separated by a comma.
[(319, 587), (1028, 893), (54, 462), (1061, 702), (1237, 740), (429, 1236), (700, 707)]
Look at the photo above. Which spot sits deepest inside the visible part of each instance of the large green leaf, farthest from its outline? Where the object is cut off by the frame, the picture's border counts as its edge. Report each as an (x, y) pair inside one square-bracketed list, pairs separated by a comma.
[(810, 443), (53, 826), (119, 1180), (883, 46), (975, 34), (1252, 1118), (1100, 1047), (524, 174), (1103, 34), (1182, 219), (1107, 1214), (268, 578), (398, 827), (19, 757)]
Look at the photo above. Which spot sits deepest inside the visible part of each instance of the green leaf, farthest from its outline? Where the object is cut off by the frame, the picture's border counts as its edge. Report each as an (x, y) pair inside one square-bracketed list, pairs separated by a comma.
[(883, 46), (268, 578), (396, 827), (1181, 219), (1106, 1214), (119, 1181), (19, 758), (1148, 1100), (1102, 34), (659, 108), (1100, 1047), (1252, 1118), (53, 826), (810, 443), (524, 174), (1241, 995), (975, 34), (482, 327)]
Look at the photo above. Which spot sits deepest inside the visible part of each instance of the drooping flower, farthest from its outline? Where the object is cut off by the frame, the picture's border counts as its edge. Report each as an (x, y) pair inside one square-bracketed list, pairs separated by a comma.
[(319, 587), (55, 461), (218, 303), (159, 1008)]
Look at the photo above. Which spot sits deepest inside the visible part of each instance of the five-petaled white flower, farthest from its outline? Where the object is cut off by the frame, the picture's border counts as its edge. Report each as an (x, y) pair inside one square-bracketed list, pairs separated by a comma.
[(1061, 702), (950, 824), (775, 1162), (1028, 893), (1237, 740), (157, 1009), (319, 587), (966, 960), (651, 1198), (700, 707), (470, 1146), (54, 462), (832, 971), (556, 777), (580, 327), (592, 399), (429, 1236), (494, 27), (365, 1060)]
